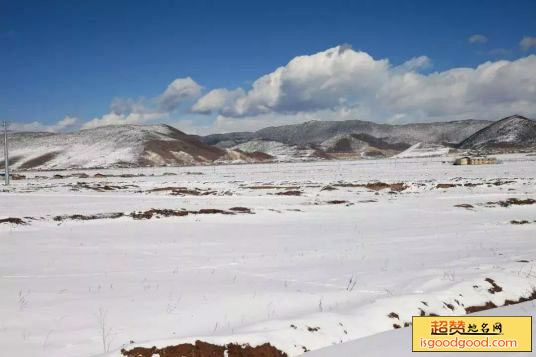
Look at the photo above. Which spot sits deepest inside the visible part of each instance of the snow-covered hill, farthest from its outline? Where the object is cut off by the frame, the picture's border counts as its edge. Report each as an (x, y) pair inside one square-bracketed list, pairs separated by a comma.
[(119, 145), (280, 151), (398, 342), (515, 131), (315, 132)]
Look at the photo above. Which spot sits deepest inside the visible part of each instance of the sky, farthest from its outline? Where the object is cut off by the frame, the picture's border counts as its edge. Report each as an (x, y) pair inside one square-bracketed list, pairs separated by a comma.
[(217, 66)]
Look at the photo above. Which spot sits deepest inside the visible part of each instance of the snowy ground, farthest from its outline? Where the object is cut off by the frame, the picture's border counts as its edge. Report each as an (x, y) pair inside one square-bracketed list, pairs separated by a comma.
[(302, 272), (398, 342)]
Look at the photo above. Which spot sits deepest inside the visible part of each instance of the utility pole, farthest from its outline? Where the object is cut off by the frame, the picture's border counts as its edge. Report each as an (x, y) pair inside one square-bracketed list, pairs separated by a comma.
[(6, 155)]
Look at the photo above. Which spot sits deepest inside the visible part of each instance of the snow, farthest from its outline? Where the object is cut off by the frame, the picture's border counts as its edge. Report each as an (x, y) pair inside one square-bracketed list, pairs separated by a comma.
[(280, 151), (515, 130), (297, 263), (423, 150), (398, 342)]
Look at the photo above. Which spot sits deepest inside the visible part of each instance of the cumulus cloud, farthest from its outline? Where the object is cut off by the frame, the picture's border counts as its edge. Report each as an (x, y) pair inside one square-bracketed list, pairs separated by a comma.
[(64, 124), (415, 64), (336, 84), (307, 83), (342, 78), (141, 111), (120, 119), (527, 42), (217, 99), (178, 91), (477, 38)]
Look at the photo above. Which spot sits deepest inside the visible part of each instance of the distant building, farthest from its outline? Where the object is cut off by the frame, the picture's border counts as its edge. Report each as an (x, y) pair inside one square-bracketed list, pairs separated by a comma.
[(466, 160)]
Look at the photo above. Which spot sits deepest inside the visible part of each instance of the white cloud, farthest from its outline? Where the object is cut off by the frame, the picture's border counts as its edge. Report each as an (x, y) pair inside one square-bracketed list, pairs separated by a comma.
[(61, 125), (323, 80), (178, 91), (119, 119), (527, 42), (142, 111), (343, 78), (415, 64), (217, 99), (342, 83), (477, 38)]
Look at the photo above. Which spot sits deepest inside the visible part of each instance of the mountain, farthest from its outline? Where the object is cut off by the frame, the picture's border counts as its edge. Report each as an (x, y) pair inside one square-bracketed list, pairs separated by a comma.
[(116, 146), (282, 152), (513, 132), (157, 145), (316, 132)]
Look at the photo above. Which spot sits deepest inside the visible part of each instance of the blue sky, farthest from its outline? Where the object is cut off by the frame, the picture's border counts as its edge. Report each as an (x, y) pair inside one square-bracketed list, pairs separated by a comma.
[(65, 58)]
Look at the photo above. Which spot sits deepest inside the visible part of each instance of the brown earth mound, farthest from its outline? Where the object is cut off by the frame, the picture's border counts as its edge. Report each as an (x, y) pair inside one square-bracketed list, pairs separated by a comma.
[(158, 213), (446, 185), (81, 217), (376, 186), (203, 349), (289, 193), (12, 220), (183, 191), (513, 201)]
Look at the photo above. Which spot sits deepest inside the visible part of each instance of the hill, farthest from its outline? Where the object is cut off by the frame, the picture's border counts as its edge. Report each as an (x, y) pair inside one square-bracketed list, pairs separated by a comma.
[(115, 146), (514, 131), (316, 132)]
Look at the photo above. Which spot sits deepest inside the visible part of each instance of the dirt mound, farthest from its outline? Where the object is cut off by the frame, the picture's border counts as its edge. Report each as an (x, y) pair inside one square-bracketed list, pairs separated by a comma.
[(158, 213), (82, 217), (376, 186), (336, 202), (203, 349), (241, 209), (513, 201), (445, 185), (289, 193), (12, 220), (183, 191)]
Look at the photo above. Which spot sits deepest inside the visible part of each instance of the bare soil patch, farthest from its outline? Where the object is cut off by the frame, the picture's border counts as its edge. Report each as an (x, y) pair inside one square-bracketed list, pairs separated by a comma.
[(519, 222), (271, 187), (337, 202), (491, 305), (512, 202), (289, 193), (376, 186), (494, 287), (81, 217), (465, 205), (241, 210), (12, 220), (446, 185), (184, 191), (204, 349), (40, 160), (328, 188), (158, 213), (486, 306)]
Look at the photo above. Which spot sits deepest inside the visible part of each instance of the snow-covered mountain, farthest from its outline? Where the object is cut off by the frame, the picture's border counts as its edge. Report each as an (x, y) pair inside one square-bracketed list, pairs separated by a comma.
[(316, 132), (156, 145), (515, 131), (282, 152), (118, 145)]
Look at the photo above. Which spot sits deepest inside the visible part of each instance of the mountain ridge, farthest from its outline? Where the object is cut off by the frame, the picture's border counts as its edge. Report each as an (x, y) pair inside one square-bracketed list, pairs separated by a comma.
[(315, 132), (515, 131)]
